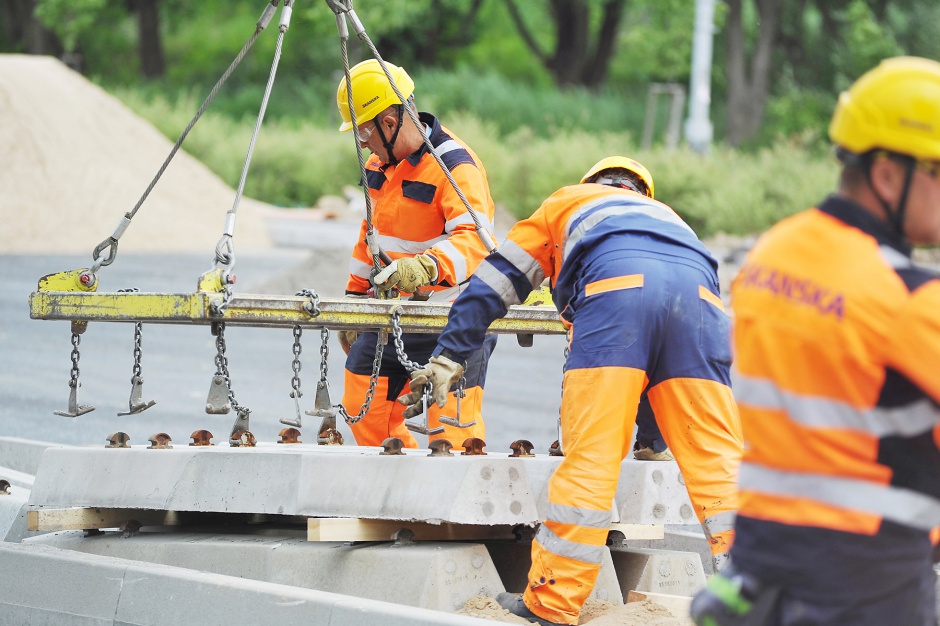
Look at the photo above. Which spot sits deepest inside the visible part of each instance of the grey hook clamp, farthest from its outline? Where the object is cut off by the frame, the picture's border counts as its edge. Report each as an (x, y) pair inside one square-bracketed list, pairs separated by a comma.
[(217, 403), (135, 404), (296, 422), (424, 428), (241, 422), (75, 409)]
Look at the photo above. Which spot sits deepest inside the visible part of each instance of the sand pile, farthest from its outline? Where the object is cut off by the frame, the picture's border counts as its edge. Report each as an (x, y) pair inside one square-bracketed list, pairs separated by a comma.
[(75, 160)]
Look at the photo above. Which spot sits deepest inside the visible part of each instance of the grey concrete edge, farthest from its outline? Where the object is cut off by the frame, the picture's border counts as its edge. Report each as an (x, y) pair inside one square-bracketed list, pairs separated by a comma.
[(95, 589)]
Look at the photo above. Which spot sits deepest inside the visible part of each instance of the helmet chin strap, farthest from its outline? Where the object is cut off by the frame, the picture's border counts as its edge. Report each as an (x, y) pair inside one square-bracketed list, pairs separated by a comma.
[(390, 143), (896, 216)]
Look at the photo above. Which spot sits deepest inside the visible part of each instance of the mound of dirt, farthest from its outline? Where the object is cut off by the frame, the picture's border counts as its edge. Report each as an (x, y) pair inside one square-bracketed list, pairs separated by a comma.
[(75, 160)]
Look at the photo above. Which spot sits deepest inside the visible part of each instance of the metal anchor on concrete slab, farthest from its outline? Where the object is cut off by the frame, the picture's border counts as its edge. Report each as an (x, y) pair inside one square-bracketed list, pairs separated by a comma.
[(217, 403), (118, 440), (241, 421)]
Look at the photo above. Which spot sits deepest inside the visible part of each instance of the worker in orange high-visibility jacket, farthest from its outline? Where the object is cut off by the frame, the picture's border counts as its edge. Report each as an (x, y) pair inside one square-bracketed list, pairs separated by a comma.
[(424, 226), (641, 294), (837, 378)]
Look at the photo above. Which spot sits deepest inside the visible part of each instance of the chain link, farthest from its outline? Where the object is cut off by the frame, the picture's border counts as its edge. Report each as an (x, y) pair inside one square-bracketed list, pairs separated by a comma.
[(221, 364), (75, 356), (138, 336), (313, 307), (400, 344), (373, 382), (324, 353), (295, 364)]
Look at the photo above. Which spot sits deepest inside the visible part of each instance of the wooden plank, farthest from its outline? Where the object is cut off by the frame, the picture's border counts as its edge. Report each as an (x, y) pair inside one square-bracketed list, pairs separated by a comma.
[(640, 531), (356, 529), (88, 518)]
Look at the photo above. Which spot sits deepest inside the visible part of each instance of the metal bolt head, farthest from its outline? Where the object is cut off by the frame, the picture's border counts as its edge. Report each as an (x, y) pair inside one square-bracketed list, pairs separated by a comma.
[(289, 435), (473, 446), (160, 441), (440, 447), (201, 438), (118, 440), (521, 447)]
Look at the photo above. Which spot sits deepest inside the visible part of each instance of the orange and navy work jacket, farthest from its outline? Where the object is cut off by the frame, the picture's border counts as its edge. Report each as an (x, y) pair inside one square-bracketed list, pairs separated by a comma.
[(837, 378), (572, 226), (417, 211)]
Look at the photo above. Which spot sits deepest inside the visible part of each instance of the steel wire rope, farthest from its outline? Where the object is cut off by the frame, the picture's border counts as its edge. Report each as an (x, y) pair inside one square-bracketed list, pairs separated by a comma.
[(112, 241)]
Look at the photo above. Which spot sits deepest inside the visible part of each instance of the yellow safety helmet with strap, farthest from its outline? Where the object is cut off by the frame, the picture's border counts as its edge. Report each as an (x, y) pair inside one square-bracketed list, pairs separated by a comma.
[(893, 107), (621, 163), (372, 92)]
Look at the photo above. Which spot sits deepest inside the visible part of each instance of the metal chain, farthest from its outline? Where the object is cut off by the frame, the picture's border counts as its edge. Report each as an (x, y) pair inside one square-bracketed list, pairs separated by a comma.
[(75, 356), (399, 344), (373, 382), (221, 364), (138, 335), (324, 353), (295, 364)]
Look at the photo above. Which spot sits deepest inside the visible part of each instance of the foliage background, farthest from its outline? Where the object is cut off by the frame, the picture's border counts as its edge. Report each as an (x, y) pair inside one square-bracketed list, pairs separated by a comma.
[(475, 71)]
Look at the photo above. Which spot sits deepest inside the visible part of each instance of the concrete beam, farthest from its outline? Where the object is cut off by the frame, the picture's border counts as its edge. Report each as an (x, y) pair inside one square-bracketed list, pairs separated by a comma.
[(438, 576), (294, 479), (22, 455), (44, 585), (658, 571)]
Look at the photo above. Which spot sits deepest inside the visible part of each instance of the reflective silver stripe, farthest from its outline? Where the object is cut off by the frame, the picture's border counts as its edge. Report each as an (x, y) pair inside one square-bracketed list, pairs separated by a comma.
[(719, 523), (360, 269), (648, 207), (498, 282), (569, 549), (467, 219), (456, 259), (895, 259), (523, 261), (404, 246), (892, 503), (448, 146), (577, 516), (813, 411)]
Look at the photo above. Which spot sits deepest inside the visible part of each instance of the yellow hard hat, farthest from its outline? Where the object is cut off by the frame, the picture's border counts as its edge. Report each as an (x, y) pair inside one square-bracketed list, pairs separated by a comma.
[(372, 93), (893, 107), (622, 163)]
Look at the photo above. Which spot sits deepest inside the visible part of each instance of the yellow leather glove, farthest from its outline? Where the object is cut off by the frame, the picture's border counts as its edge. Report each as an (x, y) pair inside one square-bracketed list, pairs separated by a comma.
[(347, 338), (441, 373), (407, 274)]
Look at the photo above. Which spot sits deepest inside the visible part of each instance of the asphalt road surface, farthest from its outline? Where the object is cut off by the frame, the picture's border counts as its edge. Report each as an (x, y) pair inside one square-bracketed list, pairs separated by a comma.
[(522, 397)]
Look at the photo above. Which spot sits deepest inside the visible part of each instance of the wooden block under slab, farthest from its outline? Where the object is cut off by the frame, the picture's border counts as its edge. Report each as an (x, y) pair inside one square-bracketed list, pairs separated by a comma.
[(357, 529), (640, 531), (89, 518)]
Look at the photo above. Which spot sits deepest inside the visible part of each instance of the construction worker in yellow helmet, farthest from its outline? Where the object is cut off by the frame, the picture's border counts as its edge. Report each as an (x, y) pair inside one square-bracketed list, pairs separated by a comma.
[(426, 229), (640, 292), (837, 354)]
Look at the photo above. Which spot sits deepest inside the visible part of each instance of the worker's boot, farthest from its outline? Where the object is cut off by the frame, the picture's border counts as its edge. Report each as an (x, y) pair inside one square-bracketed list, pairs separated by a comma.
[(643, 453), (514, 604)]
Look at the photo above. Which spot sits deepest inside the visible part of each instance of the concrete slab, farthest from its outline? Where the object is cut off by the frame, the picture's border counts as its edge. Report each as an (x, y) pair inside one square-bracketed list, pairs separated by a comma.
[(295, 479), (658, 571), (13, 516), (513, 559), (439, 576), (648, 492), (20, 480), (682, 539), (22, 455), (44, 585)]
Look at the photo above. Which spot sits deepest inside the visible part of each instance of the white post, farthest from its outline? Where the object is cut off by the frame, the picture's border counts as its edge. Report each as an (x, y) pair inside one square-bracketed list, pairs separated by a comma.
[(698, 126)]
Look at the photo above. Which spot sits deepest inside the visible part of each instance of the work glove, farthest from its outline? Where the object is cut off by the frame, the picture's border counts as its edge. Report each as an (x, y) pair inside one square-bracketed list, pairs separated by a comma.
[(441, 373), (407, 274), (347, 338)]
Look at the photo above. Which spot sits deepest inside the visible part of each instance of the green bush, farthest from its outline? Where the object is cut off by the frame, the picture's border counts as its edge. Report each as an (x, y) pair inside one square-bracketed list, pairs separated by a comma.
[(296, 161)]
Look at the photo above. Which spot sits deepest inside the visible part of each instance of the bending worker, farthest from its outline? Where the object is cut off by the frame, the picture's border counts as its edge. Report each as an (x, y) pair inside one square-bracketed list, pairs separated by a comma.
[(837, 354), (641, 293), (426, 229)]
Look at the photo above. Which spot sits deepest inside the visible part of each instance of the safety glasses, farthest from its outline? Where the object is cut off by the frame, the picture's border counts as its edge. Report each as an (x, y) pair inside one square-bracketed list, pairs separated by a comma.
[(364, 134), (931, 168)]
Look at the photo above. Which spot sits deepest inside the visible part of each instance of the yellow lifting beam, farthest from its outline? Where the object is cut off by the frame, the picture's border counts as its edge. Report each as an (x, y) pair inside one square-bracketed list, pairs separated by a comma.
[(272, 311)]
